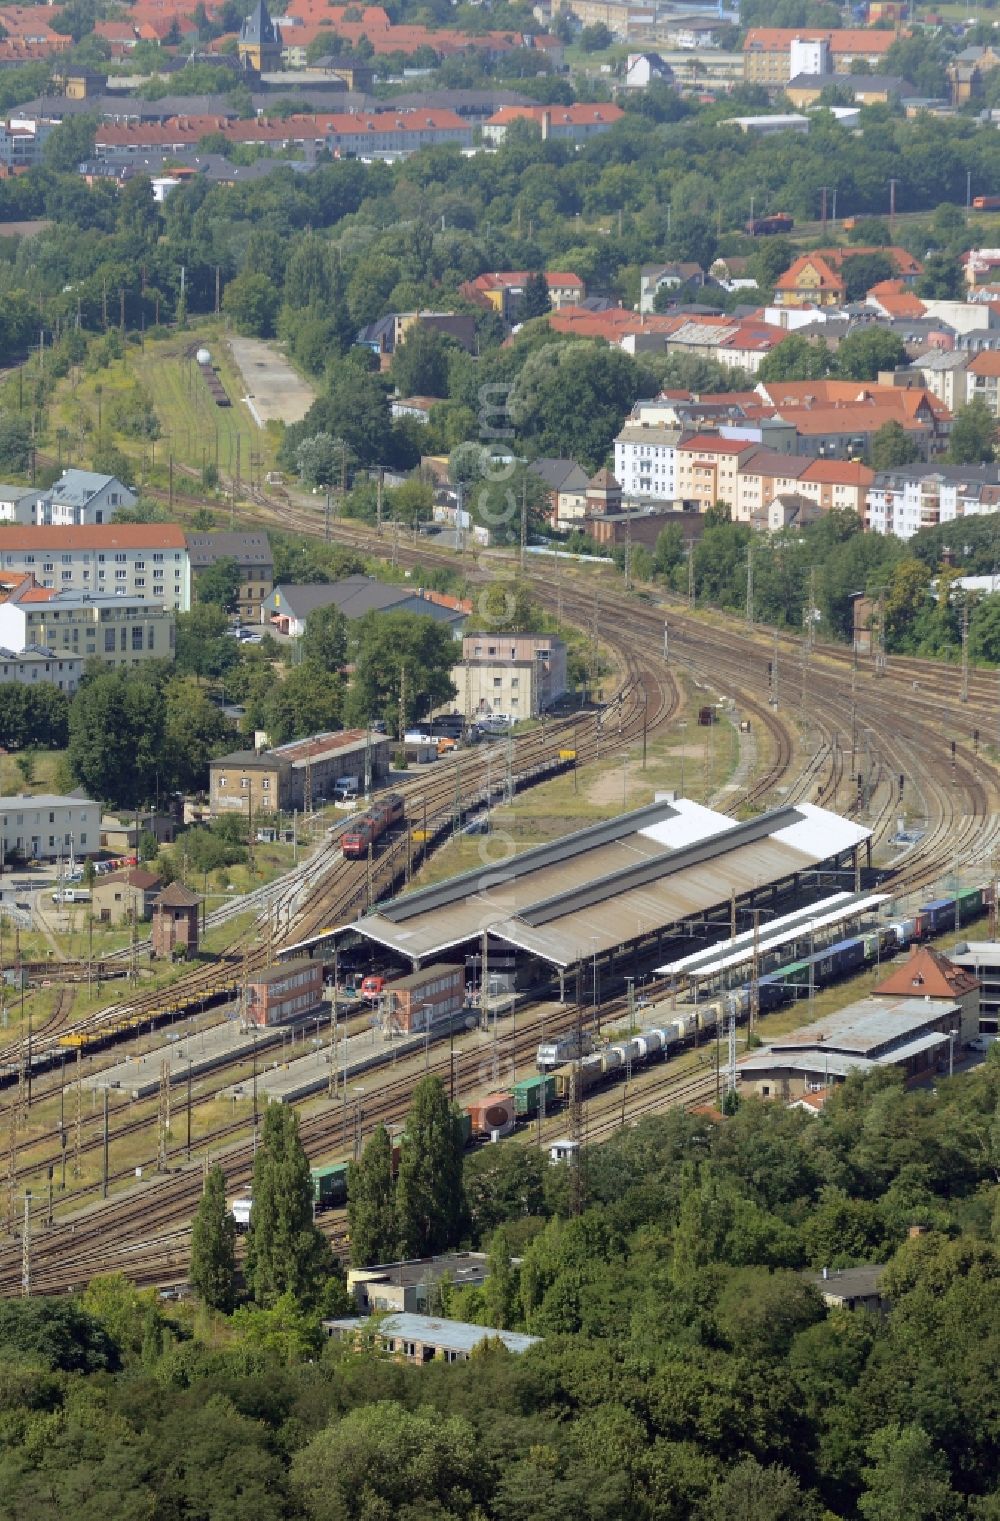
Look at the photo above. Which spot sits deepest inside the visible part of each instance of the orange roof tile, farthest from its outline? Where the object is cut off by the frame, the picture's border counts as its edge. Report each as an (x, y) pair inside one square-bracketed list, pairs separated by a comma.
[(926, 973), (986, 364), (560, 116), (838, 472), (712, 443), (776, 39), (99, 536)]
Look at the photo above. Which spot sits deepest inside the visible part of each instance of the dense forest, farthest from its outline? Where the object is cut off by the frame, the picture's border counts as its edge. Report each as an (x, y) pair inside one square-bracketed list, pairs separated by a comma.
[(687, 1369)]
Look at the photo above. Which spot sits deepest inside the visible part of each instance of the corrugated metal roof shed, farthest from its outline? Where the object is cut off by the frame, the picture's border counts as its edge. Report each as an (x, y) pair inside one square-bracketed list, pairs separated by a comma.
[(601, 887)]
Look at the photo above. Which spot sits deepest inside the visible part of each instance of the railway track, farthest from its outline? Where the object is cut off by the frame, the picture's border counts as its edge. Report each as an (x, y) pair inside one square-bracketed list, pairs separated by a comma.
[(722, 662)]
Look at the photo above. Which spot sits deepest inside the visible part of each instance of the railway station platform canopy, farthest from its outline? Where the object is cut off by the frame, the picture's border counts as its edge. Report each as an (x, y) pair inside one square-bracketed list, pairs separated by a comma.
[(817, 919), (645, 873)]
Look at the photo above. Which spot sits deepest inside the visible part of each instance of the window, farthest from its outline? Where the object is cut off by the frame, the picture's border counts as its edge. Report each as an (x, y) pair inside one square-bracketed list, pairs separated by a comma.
[(109, 641), (497, 681), (120, 575), (157, 559), (52, 818), (140, 581), (121, 559), (136, 637), (124, 640), (150, 637), (244, 782), (267, 784)]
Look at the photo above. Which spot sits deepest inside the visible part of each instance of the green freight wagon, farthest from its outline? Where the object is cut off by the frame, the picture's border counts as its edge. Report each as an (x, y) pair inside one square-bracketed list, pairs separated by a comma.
[(329, 1185), (528, 1094), (466, 1119)]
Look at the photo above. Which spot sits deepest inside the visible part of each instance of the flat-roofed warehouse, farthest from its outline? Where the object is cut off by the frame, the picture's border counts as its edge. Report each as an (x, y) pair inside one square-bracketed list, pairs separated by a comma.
[(645, 878)]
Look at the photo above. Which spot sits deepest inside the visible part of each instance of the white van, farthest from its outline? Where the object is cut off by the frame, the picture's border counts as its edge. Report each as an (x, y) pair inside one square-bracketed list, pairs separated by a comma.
[(71, 895)]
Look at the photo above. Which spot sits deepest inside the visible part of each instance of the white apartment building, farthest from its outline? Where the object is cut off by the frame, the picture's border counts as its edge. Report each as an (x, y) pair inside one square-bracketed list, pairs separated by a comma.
[(47, 827), (146, 560), (36, 666), (120, 632), (903, 501), (646, 461), (81, 498)]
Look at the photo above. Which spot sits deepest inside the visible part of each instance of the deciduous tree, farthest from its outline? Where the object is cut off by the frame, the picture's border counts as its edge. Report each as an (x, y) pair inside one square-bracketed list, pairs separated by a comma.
[(429, 1198)]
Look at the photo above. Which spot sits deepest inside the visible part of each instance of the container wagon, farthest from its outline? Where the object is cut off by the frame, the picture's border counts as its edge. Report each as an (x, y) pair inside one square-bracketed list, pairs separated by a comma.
[(528, 1094), (329, 1185)]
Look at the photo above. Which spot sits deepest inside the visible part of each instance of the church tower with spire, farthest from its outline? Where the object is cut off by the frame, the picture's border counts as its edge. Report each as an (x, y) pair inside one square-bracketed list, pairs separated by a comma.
[(259, 44)]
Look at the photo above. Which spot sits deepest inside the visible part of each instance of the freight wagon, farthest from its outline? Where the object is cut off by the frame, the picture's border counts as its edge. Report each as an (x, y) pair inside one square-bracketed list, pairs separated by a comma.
[(329, 1185)]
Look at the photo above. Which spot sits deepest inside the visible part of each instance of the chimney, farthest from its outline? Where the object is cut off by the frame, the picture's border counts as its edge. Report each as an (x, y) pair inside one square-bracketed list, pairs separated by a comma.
[(546, 126)]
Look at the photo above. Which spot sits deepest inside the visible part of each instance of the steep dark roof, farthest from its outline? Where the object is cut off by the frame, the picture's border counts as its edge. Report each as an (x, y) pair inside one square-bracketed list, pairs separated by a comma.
[(258, 26), (177, 896)]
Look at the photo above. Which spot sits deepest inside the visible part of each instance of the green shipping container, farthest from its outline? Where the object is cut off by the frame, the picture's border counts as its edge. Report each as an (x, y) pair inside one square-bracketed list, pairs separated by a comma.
[(528, 1093), (329, 1185), (466, 1127)]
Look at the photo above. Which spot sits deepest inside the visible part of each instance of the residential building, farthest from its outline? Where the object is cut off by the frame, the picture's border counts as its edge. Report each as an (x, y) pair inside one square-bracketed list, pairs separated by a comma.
[(967, 71), (928, 974), (145, 560), (853, 1288), (17, 504), (517, 674), (297, 776), (817, 278), (912, 1034), (567, 488), (790, 510), (644, 69), (837, 485), (125, 897), (764, 477), (603, 494), (45, 827), (576, 124), (768, 51), (414, 1286), (746, 346), (944, 375), (646, 461), (421, 1339), (382, 134), (81, 498), (805, 90), (503, 290), (34, 665), (120, 632), (287, 608), (250, 553), (893, 299), (983, 381), (981, 958), (911, 497), (670, 277), (385, 335), (707, 470)]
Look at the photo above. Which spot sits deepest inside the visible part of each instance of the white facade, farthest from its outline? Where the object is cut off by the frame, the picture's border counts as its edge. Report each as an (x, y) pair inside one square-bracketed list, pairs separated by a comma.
[(807, 56), (902, 502), (157, 571), (81, 498), (49, 828), (646, 461), (36, 666), (17, 504)]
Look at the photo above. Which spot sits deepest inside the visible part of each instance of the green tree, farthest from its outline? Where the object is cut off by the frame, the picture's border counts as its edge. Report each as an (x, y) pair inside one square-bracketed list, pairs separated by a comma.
[(252, 301), (868, 350), (941, 279), (429, 1198), (907, 1479), (123, 1309), (321, 460), (308, 701), (285, 1251), (861, 271), (219, 584), (507, 607), (203, 647), (973, 435), (795, 358), (420, 364), (70, 144), (371, 1203), (213, 1245), (751, 1492), (412, 502), (570, 398), (194, 733), (383, 1460), (385, 644), (15, 442), (892, 447), (536, 301), (324, 643), (503, 1184), (116, 737), (56, 1334)]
